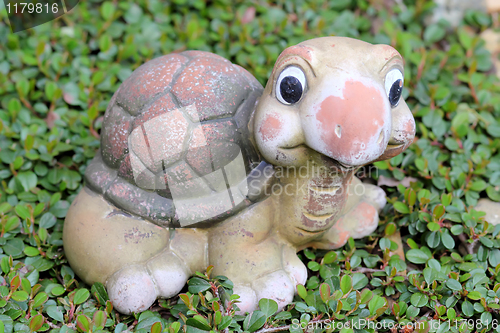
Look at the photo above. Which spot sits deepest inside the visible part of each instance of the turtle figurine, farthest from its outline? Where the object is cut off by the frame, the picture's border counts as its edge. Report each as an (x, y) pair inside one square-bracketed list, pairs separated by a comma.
[(199, 165)]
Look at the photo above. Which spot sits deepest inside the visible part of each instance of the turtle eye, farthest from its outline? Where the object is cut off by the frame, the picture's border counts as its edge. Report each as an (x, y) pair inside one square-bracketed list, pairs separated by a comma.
[(290, 85), (394, 86)]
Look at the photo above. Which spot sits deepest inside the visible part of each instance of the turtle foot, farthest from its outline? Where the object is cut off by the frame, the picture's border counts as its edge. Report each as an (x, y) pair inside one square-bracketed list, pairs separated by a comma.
[(364, 216), (277, 286), (135, 288), (375, 196), (131, 289)]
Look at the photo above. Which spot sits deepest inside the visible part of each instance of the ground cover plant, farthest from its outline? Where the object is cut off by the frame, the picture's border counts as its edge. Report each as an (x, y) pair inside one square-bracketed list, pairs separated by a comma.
[(56, 81)]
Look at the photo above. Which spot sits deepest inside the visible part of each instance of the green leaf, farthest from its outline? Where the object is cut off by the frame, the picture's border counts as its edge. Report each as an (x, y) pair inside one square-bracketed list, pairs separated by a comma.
[(465, 38), (268, 306), (401, 207), (40, 299), (283, 315), (438, 212), (107, 10), (226, 321), (48, 220), (433, 226), (22, 87), (7, 323), (330, 257), (313, 266), (25, 285), (433, 239), (419, 300), (376, 303), (100, 318), (417, 256), (36, 322), (359, 281), (325, 292), (55, 313), (28, 180), (390, 229), (467, 308), (105, 42), (454, 284), (474, 295), (81, 296), (196, 285), (23, 212), (83, 323), (50, 90), (366, 296), (200, 322), (478, 185), (254, 321), (14, 247), (434, 33), (447, 240), (100, 292), (346, 284), (20, 296), (301, 291), (156, 327)]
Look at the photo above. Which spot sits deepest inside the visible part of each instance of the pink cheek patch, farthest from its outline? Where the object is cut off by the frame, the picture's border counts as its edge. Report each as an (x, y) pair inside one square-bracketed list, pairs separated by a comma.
[(389, 51), (270, 128), (350, 126), (410, 126)]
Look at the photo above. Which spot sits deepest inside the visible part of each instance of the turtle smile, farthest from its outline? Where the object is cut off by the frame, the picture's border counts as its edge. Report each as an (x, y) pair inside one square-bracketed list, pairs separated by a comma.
[(297, 147), (396, 146), (312, 231)]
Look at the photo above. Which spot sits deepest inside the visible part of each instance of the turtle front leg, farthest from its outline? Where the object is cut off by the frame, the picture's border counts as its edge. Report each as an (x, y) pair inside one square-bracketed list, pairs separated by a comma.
[(137, 260), (359, 217)]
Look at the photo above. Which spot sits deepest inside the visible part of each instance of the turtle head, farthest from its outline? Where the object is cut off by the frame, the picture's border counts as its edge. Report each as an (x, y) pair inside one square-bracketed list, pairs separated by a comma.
[(339, 97)]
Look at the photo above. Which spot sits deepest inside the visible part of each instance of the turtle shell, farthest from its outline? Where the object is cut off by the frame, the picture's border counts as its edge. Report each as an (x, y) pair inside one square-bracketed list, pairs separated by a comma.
[(177, 142)]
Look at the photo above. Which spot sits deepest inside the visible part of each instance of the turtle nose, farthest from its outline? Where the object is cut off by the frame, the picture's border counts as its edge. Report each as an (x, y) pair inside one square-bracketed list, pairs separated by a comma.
[(351, 125)]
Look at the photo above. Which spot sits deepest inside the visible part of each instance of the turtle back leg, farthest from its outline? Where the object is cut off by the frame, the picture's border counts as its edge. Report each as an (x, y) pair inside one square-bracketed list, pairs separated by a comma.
[(256, 259), (137, 260)]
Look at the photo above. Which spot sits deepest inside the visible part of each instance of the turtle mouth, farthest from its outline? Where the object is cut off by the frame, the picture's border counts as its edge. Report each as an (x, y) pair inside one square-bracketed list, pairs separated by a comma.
[(297, 148), (328, 161), (392, 150), (316, 231), (396, 146), (336, 165)]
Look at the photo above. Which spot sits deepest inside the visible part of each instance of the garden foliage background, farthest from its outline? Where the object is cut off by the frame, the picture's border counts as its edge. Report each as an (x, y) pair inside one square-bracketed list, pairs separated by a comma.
[(56, 81)]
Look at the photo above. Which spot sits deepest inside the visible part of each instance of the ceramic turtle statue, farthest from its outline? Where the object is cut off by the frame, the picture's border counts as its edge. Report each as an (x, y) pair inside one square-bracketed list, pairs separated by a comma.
[(199, 165)]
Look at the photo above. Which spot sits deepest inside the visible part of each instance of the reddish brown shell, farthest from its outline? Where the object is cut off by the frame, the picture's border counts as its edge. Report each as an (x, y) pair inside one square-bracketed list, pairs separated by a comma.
[(175, 134)]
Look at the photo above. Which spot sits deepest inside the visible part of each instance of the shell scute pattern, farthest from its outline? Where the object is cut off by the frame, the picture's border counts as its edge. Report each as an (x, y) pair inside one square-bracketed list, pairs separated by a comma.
[(175, 122)]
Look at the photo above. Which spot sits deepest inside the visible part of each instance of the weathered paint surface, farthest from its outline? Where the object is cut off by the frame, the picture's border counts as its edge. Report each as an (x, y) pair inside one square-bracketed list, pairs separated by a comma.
[(302, 51), (326, 196), (181, 120), (352, 125), (271, 128), (114, 136), (149, 80), (177, 118)]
